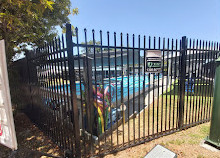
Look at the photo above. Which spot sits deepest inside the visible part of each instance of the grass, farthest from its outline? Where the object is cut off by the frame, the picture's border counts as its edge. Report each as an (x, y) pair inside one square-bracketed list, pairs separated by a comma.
[(185, 143)]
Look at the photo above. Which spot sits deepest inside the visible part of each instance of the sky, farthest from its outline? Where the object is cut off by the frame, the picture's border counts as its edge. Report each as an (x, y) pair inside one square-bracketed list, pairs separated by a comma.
[(196, 19)]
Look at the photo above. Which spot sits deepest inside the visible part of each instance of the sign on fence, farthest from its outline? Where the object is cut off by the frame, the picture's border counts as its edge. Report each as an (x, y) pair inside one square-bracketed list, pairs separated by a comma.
[(153, 61), (7, 129)]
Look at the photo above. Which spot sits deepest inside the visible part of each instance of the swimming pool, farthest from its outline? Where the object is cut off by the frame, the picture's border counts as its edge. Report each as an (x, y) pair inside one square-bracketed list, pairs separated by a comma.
[(129, 86)]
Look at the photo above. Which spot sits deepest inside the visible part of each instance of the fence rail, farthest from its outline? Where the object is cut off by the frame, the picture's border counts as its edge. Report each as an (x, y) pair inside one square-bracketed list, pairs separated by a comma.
[(93, 98)]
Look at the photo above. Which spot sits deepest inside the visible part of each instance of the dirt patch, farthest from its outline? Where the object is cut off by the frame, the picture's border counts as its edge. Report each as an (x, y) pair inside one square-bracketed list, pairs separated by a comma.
[(32, 143), (185, 144)]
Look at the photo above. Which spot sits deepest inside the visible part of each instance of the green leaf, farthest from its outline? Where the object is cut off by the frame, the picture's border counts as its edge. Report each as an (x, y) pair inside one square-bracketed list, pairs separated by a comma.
[(49, 4), (75, 11), (32, 21), (2, 14)]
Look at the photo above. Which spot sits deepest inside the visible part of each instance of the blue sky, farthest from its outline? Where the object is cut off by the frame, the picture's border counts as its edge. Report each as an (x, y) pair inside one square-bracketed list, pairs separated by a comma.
[(196, 19)]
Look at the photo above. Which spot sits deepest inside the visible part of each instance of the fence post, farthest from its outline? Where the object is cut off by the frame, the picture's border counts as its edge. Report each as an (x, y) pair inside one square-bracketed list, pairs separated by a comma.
[(182, 81), (69, 44), (87, 74), (29, 78)]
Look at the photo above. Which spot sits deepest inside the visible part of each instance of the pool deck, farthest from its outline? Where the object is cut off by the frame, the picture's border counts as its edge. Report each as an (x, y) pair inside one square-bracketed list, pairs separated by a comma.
[(151, 93), (143, 98)]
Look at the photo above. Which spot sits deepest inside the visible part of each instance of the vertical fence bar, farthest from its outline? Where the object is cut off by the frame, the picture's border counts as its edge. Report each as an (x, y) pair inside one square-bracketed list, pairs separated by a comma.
[(139, 88), (205, 77), (81, 95), (87, 64), (60, 91), (149, 39), (207, 80), (60, 94), (39, 88), (55, 89), (122, 90), (144, 85), (133, 89), (175, 84), (158, 89), (53, 96), (154, 102), (199, 82), (128, 71), (29, 76), (187, 85), (66, 89), (179, 69), (45, 88), (42, 87), (191, 81), (158, 93), (96, 88), (153, 96), (208, 77), (210, 81), (103, 98), (194, 75), (110, 88), (212, 49), (63, 93), (162, 102), (171, 81), (196, 81), (73, 89), (182, 82), (202, 81), (175, 76), (167, 78), (116, 88), (212, 76), (37, 93)]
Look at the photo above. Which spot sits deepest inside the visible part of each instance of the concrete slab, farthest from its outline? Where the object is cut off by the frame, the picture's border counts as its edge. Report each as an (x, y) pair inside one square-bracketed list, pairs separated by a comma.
[(160, 152), (209, 147)]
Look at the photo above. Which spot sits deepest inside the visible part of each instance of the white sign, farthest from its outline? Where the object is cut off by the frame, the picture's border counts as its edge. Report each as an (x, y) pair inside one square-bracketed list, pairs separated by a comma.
[(7, 129), (153, 61)]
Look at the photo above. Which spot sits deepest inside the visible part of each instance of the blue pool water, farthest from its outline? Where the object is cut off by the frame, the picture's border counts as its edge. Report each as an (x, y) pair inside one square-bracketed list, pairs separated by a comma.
[(129, 85)]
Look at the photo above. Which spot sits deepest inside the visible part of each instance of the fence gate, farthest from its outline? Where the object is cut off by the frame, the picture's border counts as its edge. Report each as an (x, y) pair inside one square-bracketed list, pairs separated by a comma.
[(98, 96)]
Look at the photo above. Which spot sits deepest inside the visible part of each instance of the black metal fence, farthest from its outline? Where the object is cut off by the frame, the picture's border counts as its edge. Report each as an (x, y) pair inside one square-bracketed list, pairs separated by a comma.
[(94, 97)]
